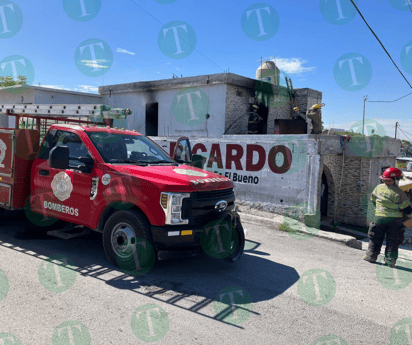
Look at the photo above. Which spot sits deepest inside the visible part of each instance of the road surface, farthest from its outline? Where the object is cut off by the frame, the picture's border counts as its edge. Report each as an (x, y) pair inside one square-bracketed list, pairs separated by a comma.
[(284, 291)]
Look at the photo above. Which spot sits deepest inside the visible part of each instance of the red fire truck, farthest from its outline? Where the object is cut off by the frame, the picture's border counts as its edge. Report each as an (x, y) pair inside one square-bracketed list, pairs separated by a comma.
[(146, 204)]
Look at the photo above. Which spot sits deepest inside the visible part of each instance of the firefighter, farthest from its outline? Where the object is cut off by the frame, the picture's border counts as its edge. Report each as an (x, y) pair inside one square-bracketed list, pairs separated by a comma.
[(255, 121), (391, 206), (315, 114)]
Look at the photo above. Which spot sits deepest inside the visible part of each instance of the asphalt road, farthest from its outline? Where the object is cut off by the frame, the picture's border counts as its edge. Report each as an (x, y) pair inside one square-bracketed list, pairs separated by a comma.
[(283, 291)]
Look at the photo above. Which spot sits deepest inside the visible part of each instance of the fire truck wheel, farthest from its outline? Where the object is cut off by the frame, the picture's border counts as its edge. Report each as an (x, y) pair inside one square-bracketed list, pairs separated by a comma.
[(127, 241), (235, 256)]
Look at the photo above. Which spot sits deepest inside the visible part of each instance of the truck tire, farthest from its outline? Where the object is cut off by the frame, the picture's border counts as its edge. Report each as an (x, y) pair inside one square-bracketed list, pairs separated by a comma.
[(127, 242), (236, 255)]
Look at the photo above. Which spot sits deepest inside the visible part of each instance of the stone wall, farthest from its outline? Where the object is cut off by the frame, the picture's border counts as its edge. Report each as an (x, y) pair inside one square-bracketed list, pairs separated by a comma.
[(237, 109), (347, 192)]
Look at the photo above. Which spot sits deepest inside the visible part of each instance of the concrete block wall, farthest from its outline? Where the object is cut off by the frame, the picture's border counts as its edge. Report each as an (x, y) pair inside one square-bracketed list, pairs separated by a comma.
[(347, 192), (236, 105), (237, 108)]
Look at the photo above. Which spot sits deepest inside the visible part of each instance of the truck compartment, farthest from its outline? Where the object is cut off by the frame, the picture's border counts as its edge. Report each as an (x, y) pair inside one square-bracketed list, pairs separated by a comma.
[(18, 149)]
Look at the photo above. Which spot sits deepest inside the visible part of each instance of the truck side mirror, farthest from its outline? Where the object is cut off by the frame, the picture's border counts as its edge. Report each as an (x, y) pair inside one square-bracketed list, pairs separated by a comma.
[(183, 151), (198, 161), (59, 157)]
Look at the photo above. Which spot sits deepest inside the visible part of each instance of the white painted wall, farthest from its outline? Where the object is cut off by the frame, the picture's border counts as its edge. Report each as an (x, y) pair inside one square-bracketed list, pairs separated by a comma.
[(59, 97), (40, 95), (274, 191), (168, 125)]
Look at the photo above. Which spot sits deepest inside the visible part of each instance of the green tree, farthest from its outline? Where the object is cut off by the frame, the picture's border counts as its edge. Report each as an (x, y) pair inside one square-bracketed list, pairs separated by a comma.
[(9, 81)]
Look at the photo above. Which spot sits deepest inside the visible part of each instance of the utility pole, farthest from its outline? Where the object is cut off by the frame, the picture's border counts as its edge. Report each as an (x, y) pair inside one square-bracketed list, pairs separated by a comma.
[(396, 128), (364, 105)]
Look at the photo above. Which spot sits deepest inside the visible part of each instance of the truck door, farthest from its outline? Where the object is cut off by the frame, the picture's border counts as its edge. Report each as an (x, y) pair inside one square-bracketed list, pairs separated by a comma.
[(64, 194), (182, 153)]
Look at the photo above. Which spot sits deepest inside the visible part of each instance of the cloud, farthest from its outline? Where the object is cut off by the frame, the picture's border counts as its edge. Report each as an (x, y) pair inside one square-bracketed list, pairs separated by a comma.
[(124, 51), (94, 63), (87, 88), (178, 68), (79, 88), (293, 65), (157, 72)]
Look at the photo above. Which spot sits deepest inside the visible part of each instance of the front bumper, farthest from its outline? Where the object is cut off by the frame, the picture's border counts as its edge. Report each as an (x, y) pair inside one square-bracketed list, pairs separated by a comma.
[(163, 240)]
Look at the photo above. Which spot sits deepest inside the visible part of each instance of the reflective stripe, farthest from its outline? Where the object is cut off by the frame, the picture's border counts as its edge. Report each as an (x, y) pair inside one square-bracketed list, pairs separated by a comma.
[(173, 233)]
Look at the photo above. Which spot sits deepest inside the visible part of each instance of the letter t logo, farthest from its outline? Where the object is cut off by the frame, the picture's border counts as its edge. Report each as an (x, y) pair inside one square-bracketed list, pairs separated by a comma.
[(3, 17)]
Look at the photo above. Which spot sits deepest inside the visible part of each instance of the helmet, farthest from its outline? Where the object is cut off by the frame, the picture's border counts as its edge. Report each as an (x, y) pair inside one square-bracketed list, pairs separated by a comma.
[(295, 109), (391, 173), (316, 106)]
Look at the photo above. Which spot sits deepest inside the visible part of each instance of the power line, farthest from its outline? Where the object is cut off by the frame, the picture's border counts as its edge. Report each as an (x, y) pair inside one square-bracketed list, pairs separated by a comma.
[(181, 39), (404, 133), (409, 5), (390, 101), (353, 3)]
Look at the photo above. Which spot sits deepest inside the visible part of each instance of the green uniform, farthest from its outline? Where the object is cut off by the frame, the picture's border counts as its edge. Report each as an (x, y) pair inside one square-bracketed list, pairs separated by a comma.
[(389, 201), (316, 116), (255, 123)]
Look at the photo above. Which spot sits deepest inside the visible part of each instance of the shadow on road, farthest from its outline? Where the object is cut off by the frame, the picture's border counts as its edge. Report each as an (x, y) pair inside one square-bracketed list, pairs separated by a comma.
[(193, 282)]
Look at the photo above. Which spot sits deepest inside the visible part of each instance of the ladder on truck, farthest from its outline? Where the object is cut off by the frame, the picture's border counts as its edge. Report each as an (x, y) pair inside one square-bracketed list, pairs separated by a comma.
[(41, 116)]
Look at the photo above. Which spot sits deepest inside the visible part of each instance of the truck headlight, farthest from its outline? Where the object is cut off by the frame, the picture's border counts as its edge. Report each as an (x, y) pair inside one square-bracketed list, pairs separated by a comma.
[(172, 207)]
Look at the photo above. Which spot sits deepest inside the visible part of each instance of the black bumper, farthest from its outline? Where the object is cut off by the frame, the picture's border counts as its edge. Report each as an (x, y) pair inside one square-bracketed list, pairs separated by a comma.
[(163, 241)]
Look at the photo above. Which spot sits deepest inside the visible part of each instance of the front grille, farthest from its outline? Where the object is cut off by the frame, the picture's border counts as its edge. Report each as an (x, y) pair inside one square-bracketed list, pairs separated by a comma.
[(212, 194), (199, 209)]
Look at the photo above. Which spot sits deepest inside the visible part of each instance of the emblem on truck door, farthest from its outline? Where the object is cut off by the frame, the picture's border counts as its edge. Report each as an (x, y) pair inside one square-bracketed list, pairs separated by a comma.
[(3, 148), (221, 205), (62, 186)]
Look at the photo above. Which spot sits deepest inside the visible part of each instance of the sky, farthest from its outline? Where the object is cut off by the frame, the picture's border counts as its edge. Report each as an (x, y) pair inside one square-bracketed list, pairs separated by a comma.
[(323, 44)]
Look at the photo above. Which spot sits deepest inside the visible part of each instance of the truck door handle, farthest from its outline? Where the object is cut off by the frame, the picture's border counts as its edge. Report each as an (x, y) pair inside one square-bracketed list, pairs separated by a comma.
[(44, 172)]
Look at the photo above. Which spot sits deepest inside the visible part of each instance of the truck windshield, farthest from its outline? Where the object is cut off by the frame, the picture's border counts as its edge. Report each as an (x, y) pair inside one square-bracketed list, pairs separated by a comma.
[(122, 148)]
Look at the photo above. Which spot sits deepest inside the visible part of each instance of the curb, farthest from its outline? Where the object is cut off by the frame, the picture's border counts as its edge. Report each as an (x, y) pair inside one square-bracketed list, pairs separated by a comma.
[(278, 219)]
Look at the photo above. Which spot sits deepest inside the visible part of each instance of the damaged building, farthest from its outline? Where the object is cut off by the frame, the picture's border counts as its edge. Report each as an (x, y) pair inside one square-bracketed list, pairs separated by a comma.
[(287, 165)]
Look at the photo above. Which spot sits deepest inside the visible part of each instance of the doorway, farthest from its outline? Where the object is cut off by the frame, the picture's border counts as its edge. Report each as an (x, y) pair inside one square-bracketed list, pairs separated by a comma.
[(324, 191), (152, 119)]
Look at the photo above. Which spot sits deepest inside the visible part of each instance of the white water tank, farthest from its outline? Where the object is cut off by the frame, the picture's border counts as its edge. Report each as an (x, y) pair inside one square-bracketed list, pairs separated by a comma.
[(268, 72)]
